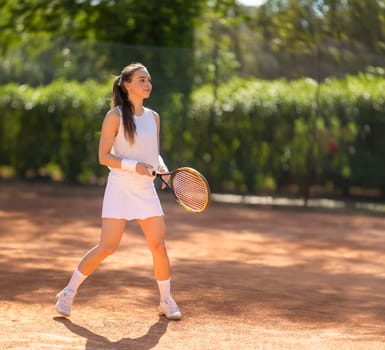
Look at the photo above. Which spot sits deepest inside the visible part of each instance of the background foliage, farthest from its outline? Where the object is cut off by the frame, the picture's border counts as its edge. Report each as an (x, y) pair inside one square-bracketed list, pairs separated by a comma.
[(259, 144), (284, 98)]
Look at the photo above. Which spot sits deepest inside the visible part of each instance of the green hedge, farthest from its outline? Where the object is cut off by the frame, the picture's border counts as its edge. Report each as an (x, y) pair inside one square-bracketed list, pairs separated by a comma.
[(52, 127), (257, 137), (263, 131)]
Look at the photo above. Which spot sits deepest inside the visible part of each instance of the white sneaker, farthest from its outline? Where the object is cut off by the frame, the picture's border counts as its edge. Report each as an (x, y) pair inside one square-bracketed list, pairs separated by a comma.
[(170, 309), (64, 300)]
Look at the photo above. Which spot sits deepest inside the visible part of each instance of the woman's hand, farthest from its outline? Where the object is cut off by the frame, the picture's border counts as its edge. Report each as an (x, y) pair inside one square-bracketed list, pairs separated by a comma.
[(161, 170), (144, 169)]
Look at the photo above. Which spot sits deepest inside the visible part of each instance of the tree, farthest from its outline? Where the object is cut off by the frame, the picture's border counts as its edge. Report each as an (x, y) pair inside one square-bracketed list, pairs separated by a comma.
[(167, 23), (367, 23), (67, 24), (294, 23)]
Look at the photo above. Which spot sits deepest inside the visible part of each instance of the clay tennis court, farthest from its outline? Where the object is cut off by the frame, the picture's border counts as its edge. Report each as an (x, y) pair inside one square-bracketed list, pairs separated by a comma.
[(245, 277)]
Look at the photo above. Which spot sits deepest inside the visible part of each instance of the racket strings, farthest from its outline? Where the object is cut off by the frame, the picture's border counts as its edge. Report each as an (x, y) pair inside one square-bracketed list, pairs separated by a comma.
[(191, 190)]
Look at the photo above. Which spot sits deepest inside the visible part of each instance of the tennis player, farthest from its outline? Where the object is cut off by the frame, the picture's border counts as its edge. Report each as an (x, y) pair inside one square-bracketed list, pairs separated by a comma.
[(129, 146)]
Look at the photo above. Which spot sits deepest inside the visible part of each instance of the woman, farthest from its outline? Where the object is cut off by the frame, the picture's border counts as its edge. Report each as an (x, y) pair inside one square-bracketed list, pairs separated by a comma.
[(129, 146)]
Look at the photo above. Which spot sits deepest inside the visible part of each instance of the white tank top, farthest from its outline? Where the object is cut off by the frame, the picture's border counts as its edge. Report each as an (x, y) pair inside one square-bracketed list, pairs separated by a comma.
[(145, 147)]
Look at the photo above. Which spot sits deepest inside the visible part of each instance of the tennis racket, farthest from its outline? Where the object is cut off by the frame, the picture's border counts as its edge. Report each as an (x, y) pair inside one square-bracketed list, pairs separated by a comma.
[(189, 188)]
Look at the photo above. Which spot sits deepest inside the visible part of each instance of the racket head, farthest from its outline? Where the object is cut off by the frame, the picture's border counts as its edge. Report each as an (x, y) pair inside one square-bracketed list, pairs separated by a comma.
[(191, 189)]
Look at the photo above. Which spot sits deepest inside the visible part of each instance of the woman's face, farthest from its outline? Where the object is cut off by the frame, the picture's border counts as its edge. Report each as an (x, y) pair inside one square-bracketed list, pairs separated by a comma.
[(140, 85)]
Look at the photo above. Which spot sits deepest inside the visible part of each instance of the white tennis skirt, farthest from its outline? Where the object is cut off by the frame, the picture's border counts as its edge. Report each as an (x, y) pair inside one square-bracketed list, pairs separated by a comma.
[(130, 196)]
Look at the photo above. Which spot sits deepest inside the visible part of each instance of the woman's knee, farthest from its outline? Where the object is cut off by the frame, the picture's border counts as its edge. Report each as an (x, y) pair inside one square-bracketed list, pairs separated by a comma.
[(158, 248), (106, 250)]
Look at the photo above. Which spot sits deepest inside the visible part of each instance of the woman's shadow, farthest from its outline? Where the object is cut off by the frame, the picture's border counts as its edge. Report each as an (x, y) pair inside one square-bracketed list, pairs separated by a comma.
[(96, 341)]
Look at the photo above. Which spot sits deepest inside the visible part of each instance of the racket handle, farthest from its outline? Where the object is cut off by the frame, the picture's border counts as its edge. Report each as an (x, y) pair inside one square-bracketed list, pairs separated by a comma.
[(155, 173)]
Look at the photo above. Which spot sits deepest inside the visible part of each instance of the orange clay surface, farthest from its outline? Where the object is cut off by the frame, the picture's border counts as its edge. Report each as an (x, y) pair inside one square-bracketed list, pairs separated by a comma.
[(244, 277)]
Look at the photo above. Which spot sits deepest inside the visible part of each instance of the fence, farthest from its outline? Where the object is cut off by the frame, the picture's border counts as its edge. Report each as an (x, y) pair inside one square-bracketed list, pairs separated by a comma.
[(243, 133)]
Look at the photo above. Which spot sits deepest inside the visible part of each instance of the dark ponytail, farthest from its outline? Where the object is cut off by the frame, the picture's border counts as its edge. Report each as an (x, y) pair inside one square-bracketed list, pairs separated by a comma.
[(120, 98)]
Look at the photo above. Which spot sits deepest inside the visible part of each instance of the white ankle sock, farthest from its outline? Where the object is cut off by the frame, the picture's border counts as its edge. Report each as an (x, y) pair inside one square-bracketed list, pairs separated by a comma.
[(164, 289), (76, 280)]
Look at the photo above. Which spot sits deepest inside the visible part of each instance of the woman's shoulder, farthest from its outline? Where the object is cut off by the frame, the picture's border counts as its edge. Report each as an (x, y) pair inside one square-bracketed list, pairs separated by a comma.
[(113, 117), (151, 111), (116, 111)]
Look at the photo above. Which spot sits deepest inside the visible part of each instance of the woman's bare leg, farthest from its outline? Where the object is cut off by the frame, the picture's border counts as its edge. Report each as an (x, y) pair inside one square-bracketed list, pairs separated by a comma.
[(154, 229), (112, 232)]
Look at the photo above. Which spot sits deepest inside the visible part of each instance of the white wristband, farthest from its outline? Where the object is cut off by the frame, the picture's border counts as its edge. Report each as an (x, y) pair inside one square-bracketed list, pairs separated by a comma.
[(129, 164)]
